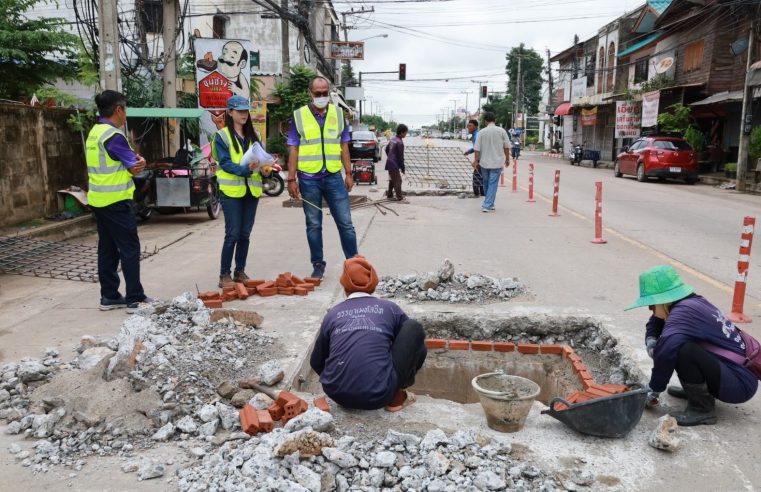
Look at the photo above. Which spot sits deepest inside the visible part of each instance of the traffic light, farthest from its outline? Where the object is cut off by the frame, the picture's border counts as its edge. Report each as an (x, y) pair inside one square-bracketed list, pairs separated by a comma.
[(484, 92), (402, 71)]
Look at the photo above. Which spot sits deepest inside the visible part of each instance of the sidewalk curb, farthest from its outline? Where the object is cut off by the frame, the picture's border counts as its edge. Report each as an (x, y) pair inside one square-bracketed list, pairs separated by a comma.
[(57, 231)]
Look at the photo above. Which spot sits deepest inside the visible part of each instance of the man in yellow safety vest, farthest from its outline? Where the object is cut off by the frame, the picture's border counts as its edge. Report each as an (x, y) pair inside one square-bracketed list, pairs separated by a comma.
[(318, 145), (111, 163)]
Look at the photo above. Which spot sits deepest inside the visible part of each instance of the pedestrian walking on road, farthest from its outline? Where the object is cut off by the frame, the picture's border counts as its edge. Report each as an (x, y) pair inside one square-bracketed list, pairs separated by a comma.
[(318, 143), (240, 187), (516, 150), (395, 163), (691, 336), (368, 351), (111, 163), (478, 182), (492, 152)]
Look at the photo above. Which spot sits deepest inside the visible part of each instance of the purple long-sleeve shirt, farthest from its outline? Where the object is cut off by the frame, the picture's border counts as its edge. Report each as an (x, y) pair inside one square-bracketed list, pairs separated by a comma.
[(694, 319), (395, 154), (118, 148), (294, 139), (352, 353)]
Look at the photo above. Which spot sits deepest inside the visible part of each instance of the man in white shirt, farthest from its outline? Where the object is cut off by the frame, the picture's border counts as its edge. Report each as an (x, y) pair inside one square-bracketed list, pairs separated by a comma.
[(492, 153)]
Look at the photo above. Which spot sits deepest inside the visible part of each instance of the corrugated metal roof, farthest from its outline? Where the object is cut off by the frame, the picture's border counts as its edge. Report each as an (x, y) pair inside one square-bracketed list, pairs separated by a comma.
[(720, 97), (659, 5), (640, 44)]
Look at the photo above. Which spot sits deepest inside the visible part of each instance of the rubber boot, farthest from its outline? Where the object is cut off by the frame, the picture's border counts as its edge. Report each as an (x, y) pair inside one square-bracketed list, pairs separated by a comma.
[(676, 392), (700, 406)]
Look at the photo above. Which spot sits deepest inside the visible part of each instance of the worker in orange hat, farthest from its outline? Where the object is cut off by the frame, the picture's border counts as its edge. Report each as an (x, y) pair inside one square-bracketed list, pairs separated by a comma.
[(368, 351)]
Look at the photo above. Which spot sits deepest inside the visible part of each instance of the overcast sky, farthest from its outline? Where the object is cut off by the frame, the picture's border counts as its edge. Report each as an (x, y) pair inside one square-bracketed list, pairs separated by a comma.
[(461, 40)]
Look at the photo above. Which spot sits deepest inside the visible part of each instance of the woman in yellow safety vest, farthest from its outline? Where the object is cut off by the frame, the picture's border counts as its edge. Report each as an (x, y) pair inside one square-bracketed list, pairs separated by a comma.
[(240, 187)]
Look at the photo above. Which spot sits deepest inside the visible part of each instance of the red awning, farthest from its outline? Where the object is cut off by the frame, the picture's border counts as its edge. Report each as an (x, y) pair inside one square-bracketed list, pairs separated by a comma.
[(563, 109)]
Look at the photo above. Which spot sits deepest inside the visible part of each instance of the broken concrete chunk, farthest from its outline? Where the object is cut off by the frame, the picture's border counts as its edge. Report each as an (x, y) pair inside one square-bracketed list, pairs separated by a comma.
[(384, 459), (209, 428), (340, 458), (260, 401), (92, 357), (306, 478), (393, 437), (446, 270), (429, 280), (32, 370), (271, 372), (248, 318), (227, 389), (665, 434), (307, 443), (187, 425), (150, 468), (164, 433), (314, 418), (130, 466), (433, 438), (242, 397), (207, 413)]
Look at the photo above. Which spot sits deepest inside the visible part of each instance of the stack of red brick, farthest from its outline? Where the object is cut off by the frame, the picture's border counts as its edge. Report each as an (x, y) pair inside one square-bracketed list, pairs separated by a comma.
[(286, 284), (286, 407), (591, 390)]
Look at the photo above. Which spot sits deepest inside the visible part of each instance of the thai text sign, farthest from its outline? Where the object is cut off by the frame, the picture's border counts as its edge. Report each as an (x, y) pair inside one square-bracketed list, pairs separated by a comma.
[(347, 50), (628, 119), (589, 117), (650, 102), (578, 88)]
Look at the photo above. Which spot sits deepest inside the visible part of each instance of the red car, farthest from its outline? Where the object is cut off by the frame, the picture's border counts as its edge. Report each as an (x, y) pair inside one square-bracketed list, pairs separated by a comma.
[(658, 157)]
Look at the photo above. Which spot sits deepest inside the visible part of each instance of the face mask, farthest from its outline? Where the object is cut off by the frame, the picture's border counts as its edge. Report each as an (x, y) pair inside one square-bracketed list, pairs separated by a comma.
[(321, 102)]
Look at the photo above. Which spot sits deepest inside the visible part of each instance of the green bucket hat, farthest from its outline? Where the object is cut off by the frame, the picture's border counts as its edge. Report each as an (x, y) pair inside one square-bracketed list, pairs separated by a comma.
[(660, 285)]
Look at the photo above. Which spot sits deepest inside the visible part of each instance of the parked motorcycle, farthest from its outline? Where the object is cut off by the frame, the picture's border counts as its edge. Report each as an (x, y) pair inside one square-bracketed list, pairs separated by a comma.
[(273, 185), (577, 154)]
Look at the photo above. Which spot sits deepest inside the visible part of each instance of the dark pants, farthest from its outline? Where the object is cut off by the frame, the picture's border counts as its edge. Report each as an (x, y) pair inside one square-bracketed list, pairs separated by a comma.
[(239, 220), (408, 352), (118, 241), (694, 365), (478, 182), (394, 183)]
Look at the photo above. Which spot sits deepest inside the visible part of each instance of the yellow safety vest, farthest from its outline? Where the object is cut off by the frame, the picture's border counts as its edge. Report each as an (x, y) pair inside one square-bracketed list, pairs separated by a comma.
[(109, 180), (319, 148), (230, 184)]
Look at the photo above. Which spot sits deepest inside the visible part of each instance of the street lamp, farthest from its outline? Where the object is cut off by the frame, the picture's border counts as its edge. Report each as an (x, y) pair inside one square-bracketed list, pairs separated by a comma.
[(376, 36)]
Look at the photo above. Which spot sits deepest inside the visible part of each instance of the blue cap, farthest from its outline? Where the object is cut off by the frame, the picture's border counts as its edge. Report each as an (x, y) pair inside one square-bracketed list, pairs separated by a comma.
[(239, 103)]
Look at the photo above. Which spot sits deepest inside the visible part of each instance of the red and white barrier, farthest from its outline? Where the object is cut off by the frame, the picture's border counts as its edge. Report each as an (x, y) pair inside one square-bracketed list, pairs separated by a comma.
[(738, 299), (531, 183), (598, 215), (515, 177), (502, 178), (555, 194)]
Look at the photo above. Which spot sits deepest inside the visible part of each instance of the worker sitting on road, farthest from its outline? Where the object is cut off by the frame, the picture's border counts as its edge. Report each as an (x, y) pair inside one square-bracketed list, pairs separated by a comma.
[(684, 333), (368, 351)]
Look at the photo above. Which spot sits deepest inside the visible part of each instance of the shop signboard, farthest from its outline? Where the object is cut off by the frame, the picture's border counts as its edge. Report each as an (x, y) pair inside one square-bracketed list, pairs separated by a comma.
[(650, 101), (347, 50), (628, 119), (589, 117), (578, 88)]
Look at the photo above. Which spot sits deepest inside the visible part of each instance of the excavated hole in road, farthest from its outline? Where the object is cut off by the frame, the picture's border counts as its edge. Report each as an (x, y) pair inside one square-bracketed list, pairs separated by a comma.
[(447, 374)]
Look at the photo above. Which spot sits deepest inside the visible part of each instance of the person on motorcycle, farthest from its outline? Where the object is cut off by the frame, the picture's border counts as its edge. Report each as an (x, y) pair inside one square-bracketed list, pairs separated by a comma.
[(240, 187), (111, 164)]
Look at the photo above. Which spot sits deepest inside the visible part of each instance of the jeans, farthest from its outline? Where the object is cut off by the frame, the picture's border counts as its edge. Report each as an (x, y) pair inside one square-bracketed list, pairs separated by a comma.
[(333, 190), (239, 220), (408, 352), (491, 182), (118, 241)]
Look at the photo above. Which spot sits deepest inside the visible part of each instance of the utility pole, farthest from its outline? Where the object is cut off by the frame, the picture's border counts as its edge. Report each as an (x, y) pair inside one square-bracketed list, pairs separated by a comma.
[(285, 43), (108, 46), (480, 84), (518, 88), (549, 101), (742, 152), (170, 73), (454, 113)]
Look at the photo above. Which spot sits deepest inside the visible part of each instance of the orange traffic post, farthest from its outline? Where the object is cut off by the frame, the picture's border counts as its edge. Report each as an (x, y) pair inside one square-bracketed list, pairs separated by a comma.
[(598, 215), (515, 177), (502, 178), (738, 299), (555, 194), (531, 183)]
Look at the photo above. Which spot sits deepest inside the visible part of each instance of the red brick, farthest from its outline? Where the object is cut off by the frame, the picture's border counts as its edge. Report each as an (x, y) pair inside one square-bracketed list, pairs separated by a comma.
[(242, 291), (205, 296), (459, 345), (227, 290), (573, 397), (213, 303), (271, 291), (559, 407), (285, 291), (614, 388), (275, 411), (574, 358), (312, 280), (504, 347), (265, 420), (584, 374), (254, 283), (296, 280), (229, 296), (249, 420), (584, 396), (528, 348), (309, 287), (322, 404), (482, 346), (436, 343), (266, 285), (568, 351), (597, 392), (251, 291), (551, 349), (299, 291), (579, 366)]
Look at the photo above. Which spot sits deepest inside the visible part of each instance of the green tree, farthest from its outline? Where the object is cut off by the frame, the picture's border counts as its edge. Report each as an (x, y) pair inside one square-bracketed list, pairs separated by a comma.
[(293, 93), (33, 53), (531, 79), (503, 109), (380, 124)]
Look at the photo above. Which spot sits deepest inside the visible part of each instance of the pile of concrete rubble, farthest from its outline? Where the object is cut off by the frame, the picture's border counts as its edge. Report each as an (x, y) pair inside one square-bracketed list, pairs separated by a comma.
[(444, 285)]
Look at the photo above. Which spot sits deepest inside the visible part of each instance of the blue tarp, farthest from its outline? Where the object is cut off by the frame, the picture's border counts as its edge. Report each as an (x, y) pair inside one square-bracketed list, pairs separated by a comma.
[(659, 5), (640, 44)]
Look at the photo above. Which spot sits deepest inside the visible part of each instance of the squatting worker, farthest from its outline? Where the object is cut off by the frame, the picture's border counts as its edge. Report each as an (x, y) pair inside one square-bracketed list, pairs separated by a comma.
[(492, 152), (368, 352), (681, 333), (318, 146), (111, 163), (478, 182), (240, 187), (395, 163)]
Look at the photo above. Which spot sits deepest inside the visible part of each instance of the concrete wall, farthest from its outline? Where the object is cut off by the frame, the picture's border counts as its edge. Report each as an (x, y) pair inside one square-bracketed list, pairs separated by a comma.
[(41, 154)]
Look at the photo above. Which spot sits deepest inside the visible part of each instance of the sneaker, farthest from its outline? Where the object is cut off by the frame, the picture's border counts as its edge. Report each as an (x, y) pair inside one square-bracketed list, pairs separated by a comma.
[(492, 209), (226, 281), (319, 269), (240, 277), (484, 210), (107, 304), (132, 307)]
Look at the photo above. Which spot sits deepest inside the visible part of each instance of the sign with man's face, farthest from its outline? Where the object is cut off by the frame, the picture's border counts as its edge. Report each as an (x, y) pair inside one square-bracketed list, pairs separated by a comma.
[(222, 71)]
